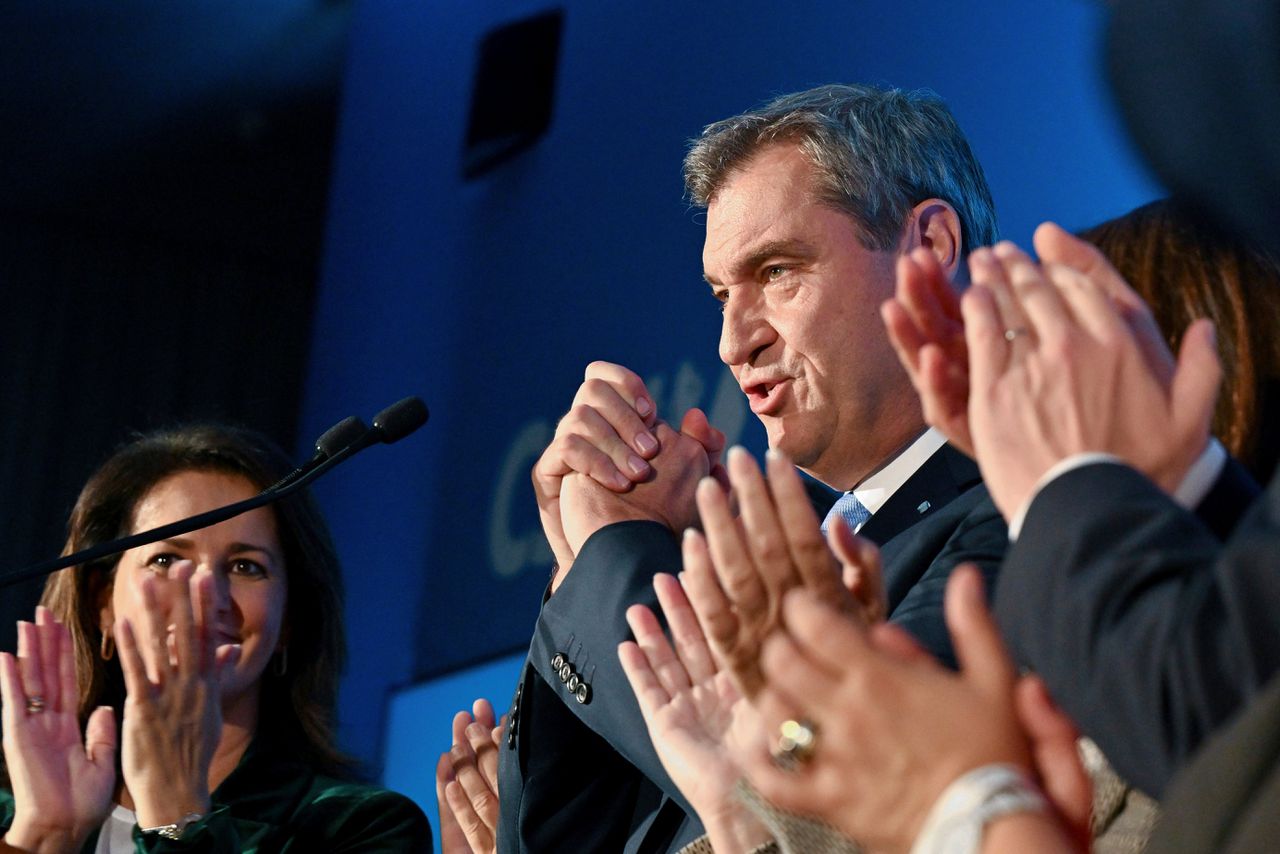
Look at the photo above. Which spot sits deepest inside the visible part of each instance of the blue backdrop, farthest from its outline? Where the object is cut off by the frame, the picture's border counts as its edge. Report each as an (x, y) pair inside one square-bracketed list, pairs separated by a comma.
[(488, 298)]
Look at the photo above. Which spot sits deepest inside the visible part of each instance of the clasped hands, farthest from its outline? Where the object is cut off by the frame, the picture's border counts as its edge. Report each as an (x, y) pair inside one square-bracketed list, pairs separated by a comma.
[(1040, 362), (63, 782)]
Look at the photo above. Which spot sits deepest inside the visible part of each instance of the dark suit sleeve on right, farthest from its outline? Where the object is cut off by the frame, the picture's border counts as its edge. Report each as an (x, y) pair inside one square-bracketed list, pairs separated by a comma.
[(1148, 631)]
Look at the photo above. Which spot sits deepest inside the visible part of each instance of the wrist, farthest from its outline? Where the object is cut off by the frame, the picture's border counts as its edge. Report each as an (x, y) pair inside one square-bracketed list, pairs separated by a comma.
[(959, 818), (734, 828), (170, 809), (29, 836)]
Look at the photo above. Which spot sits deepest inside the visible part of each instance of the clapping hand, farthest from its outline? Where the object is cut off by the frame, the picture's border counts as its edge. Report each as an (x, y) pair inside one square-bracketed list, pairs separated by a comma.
[(698, 721), (62, 784), (467, 783), (172, 714), (892, 728), (737, 575)]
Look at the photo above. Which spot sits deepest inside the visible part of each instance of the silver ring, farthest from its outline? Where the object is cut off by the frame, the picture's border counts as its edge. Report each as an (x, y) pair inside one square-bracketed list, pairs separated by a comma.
[(1010, 334), (797, 740), (35, 704)]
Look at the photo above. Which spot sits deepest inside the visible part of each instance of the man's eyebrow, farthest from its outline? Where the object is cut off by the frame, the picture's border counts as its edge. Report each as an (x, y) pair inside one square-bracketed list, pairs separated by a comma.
[(789, 248)]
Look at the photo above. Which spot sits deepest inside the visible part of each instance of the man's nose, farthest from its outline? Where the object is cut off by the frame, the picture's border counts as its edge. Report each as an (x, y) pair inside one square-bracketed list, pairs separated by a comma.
[(744, 332)]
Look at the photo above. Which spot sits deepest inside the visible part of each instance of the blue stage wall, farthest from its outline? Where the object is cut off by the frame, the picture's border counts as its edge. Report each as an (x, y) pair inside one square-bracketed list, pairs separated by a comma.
[(488, 298)]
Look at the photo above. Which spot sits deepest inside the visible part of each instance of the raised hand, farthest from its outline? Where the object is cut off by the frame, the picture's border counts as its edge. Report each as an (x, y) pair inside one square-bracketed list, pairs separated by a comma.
[(611, 436), (927, 330), (606, 435), (62, 784), (666, 496), (893, 730), (172, 714), (467, 783), (698, 721), (1057, 369), (736, 577)]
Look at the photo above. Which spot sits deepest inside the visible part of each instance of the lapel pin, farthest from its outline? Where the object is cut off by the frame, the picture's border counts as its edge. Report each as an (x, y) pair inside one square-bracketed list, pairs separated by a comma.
[(924, 505)]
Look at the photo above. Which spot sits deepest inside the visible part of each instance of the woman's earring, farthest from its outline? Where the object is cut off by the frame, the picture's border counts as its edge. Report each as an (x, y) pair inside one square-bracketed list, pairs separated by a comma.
[(108, 648), (282, 661)]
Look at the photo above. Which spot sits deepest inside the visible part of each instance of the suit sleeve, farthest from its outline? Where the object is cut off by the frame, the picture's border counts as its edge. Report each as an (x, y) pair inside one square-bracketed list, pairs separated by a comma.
[(1148, 629), (585, 621)]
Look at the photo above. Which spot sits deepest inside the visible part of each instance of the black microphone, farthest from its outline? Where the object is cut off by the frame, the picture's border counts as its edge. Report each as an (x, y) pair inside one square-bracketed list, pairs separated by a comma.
[(345, 433), (349, 436)]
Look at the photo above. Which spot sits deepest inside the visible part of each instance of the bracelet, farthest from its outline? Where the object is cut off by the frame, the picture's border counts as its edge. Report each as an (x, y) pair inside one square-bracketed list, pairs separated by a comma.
[(963, 810), (173, 831)]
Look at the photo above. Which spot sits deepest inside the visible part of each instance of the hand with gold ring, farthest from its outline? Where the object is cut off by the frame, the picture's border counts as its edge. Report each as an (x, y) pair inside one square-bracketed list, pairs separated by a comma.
[(877, 729), (62, 782), (1090, 374)]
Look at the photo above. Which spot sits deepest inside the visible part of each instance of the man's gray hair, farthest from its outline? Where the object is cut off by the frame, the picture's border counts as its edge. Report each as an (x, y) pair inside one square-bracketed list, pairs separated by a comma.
[(877, 153)]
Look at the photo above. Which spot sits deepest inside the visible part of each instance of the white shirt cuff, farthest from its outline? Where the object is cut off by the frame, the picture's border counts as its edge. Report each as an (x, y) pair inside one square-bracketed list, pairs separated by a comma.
[(1195, 484), (1200, 478)]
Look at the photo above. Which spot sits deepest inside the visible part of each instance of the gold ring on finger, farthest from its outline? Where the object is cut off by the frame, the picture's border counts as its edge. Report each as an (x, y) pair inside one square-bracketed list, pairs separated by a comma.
[(797, 740)]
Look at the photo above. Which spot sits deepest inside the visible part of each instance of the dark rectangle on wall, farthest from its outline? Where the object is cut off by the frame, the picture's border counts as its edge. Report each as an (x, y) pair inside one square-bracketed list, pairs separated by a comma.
[(514, 90)]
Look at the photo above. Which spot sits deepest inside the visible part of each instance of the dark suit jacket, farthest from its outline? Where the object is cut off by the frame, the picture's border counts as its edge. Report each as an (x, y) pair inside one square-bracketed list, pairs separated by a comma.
[(1227, 801), (1148, 630), (591, 765)]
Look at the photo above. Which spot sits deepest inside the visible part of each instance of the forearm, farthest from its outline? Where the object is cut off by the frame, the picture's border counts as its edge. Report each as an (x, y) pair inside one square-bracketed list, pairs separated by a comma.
[(585, 620), (1146, 629)]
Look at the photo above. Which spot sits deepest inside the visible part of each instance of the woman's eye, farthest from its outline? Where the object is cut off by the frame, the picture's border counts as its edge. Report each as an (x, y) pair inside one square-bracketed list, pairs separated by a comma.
[(250, 568), (161, 562)]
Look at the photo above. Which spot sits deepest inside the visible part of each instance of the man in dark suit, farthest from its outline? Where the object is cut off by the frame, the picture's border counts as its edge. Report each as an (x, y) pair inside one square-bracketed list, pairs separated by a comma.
[(811, 200)]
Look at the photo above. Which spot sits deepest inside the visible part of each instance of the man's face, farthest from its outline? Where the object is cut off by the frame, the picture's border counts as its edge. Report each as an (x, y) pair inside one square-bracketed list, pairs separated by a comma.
[(802, 332)]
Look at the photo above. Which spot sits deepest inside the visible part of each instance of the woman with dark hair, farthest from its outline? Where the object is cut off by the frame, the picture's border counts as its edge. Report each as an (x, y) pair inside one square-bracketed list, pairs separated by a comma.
[(1184, 268), (219, 651)]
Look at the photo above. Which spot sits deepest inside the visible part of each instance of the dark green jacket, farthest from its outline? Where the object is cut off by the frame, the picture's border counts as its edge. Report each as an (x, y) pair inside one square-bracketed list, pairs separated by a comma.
[(274, 803)]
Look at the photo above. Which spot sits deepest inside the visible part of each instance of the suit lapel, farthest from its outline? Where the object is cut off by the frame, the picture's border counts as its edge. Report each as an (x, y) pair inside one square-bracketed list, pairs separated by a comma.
[(943, 476)]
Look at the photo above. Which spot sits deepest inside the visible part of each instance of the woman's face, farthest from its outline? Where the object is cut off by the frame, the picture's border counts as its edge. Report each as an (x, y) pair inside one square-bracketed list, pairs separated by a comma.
[(243, 555)]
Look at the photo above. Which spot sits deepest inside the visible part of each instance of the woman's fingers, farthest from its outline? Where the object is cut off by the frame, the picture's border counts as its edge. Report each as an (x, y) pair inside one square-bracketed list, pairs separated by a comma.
[(68, 691), (48, 642), (131, 661), (154, 647), (202, 594), (101, 738), (29, 661), (186, 648), (10, 692)]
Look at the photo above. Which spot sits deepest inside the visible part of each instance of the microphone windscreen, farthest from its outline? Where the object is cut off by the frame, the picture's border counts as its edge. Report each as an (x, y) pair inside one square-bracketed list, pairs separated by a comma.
[(346, 432), (400, 419)]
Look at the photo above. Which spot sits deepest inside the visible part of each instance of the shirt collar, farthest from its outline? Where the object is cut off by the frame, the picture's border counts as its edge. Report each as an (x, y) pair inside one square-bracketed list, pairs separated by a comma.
[(883, 483)]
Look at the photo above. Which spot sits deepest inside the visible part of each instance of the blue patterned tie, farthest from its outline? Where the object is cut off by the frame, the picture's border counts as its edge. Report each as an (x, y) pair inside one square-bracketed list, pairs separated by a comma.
[(850, 508)]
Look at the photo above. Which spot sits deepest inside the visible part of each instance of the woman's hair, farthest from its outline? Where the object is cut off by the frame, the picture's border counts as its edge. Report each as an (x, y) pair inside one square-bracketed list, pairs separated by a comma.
[(1184, 269), (296, 706)]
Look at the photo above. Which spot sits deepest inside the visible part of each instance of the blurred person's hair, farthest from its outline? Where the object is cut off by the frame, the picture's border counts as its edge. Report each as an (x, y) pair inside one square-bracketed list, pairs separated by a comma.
[(1184, 268)]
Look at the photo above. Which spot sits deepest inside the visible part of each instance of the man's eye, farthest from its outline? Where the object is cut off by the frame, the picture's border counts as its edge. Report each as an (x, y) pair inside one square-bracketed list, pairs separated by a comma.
[(721, 297), (774, 272)]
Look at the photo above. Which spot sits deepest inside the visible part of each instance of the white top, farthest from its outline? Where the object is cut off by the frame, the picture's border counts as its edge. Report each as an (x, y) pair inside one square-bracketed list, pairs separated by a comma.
[(883, 483), (116, 836)]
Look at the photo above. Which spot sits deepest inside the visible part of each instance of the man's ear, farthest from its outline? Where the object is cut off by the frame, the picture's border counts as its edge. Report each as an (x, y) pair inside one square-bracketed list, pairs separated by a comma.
[(935, 225)]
